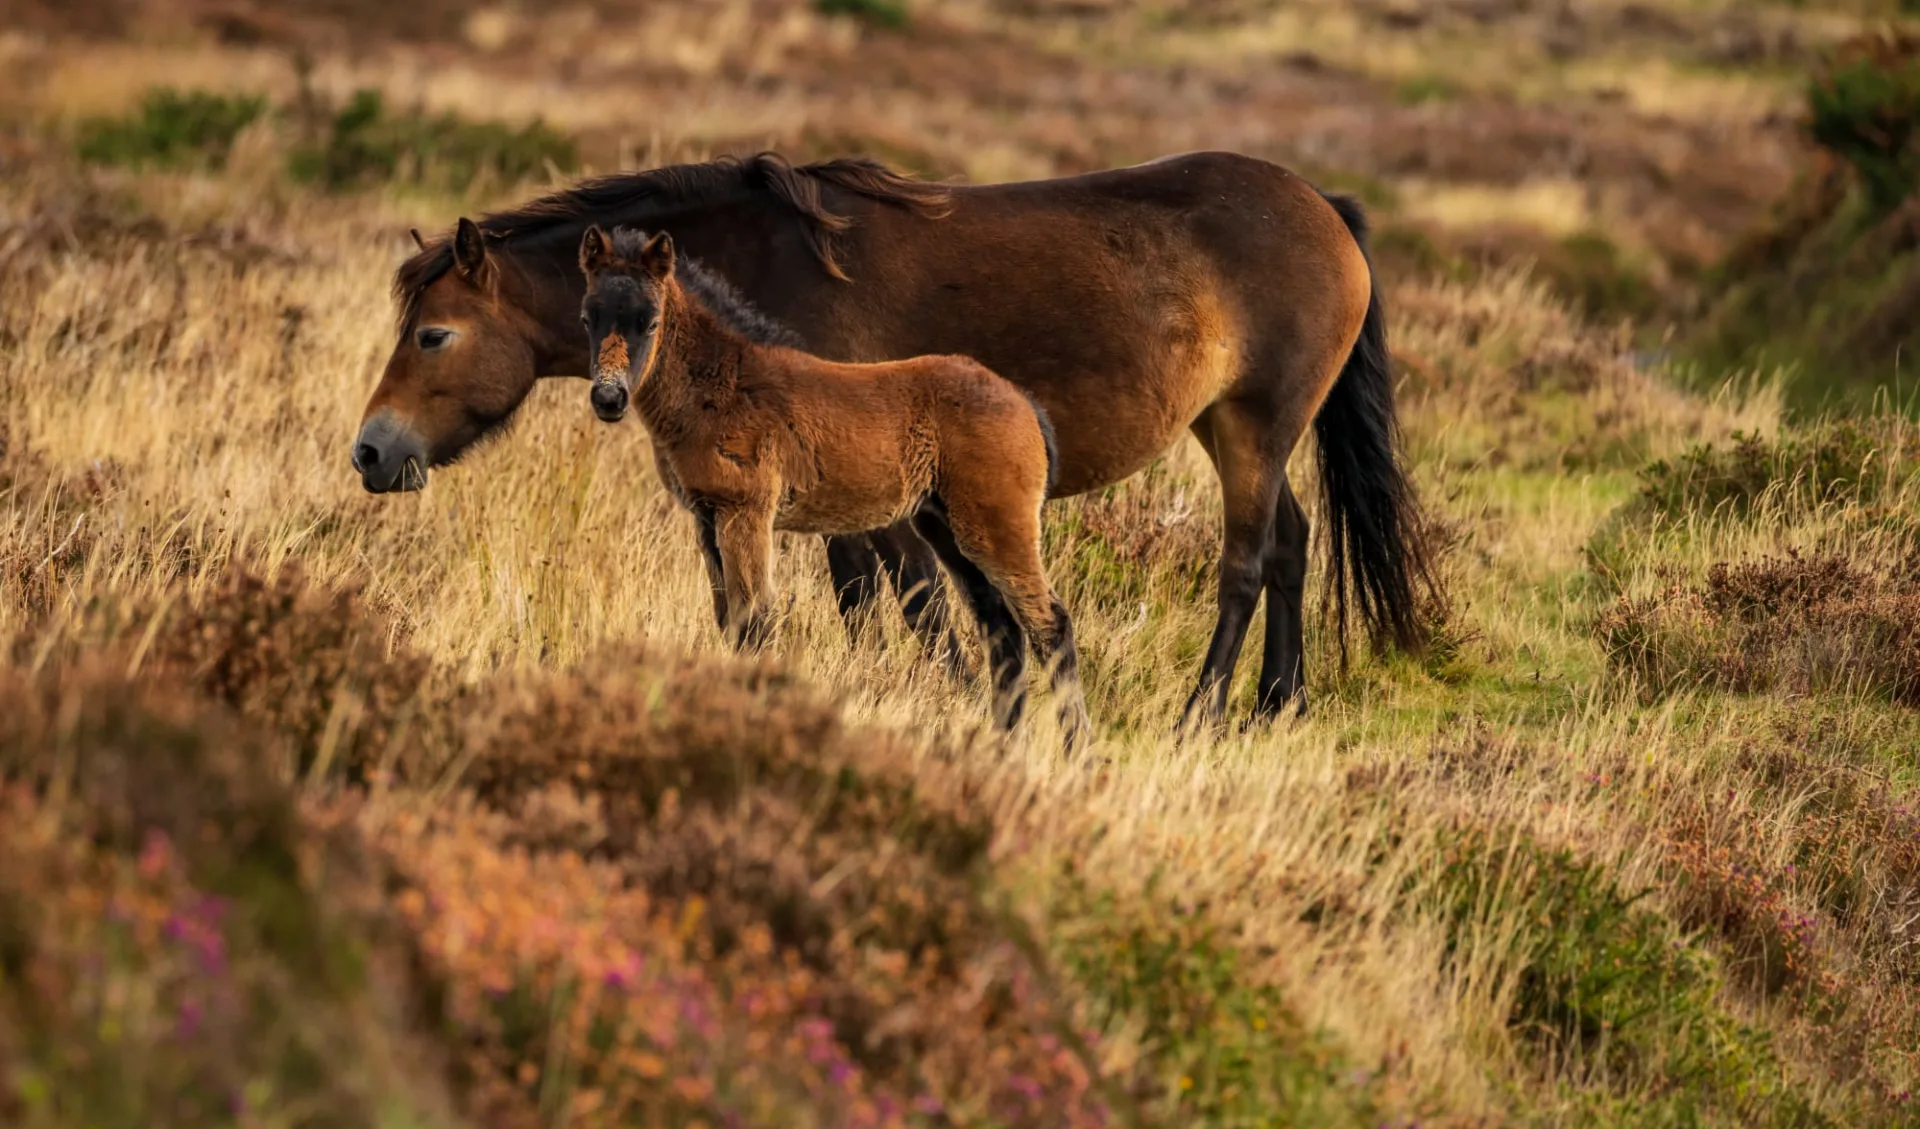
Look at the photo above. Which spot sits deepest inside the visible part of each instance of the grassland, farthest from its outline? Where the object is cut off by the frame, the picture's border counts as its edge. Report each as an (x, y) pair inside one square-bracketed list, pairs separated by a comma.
[(326, 809)]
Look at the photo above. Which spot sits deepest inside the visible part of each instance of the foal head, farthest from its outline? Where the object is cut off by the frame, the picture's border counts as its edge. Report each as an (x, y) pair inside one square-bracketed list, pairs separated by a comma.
[(629, 278)]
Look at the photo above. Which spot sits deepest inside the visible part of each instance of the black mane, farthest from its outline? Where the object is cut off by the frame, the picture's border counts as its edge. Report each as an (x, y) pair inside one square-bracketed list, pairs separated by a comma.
[(621, 197), (713, 292)]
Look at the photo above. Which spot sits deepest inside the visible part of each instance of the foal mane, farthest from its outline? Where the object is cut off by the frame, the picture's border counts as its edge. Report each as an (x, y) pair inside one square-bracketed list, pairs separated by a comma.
[(619, 198), (715, 293)]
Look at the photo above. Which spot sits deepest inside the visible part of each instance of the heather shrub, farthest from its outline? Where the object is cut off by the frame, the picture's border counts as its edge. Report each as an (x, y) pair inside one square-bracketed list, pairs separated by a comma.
[(315, 665), (1820, 925), (1791, 624), (1865, 107), (1831, 462), (177, 948), (774, 869)]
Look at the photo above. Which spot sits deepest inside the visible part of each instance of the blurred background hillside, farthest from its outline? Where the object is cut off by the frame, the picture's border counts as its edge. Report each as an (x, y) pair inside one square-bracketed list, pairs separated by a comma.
[(1663, 162)]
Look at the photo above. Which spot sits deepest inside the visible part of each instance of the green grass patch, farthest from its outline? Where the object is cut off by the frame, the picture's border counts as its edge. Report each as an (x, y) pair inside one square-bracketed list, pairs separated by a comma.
[(1422, 89), (171, 129), (1608, 996), (889, 14), (366, 144), (363, 144), (1842, 460), (1222, 1047)]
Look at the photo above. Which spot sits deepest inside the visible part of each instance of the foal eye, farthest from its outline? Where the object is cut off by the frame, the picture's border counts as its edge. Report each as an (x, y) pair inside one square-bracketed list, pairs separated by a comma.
[(431, 339)]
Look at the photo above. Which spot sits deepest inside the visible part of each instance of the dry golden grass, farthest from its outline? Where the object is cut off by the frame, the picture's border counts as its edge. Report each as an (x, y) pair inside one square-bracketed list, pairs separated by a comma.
[(183, 361)]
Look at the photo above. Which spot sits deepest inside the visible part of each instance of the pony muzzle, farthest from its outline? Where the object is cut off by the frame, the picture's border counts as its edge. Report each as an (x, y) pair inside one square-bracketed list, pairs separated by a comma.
[(609, 398)]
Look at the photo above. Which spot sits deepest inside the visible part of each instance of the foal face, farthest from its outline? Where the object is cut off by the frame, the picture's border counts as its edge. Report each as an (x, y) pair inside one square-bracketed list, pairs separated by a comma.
[(626, 290)]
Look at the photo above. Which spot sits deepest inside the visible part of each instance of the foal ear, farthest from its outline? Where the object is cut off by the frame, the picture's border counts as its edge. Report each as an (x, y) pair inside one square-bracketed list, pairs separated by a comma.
[(470, 251), (595, 249), (418, 242), (657, 256)]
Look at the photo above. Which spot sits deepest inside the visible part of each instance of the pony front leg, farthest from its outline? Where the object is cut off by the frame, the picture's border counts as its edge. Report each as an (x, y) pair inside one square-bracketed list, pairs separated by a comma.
[(744, 535)]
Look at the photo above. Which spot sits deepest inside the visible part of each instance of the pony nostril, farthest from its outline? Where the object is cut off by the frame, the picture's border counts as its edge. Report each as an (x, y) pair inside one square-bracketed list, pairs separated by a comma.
[(609, 397), (365, 457)]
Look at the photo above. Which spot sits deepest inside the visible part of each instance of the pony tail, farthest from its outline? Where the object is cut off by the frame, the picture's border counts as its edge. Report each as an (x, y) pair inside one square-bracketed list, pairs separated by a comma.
[(1376, 533)]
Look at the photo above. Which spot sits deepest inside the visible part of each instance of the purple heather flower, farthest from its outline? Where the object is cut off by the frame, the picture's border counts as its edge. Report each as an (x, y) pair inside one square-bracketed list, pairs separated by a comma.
[(187, 1024)]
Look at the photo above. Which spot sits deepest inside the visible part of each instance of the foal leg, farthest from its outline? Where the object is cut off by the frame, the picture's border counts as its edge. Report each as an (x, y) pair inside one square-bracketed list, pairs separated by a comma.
[(914, 569), (716, 571), (744, 534), (1283, 662), (1239, 438), (1003, 541), (1006, 649)]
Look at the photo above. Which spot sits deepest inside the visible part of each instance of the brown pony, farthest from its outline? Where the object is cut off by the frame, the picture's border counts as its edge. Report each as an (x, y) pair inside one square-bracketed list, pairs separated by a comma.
[(752, 435), (1212, 292)]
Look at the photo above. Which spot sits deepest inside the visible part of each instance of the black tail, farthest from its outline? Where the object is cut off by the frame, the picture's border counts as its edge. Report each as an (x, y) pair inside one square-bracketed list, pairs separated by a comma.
[(1375, 531)]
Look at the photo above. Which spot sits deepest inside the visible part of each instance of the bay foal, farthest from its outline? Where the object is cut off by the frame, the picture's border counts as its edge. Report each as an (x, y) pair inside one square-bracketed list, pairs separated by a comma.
[(752, 435)]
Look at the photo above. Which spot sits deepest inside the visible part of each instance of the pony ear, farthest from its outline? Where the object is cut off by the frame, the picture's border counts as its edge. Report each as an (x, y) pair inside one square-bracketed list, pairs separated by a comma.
[(418, 242), (657, 256), (595, 249), (470, 251)]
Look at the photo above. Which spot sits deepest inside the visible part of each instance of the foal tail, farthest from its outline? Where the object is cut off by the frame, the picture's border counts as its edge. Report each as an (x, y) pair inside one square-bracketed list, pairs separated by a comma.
[(1048, 437), (1377, 537)]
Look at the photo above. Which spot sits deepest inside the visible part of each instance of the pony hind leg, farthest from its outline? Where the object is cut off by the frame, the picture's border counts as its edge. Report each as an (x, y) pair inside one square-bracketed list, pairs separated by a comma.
[(854, 563), (1006, 647), (1239, 437), (1283, 663), (914, 569)]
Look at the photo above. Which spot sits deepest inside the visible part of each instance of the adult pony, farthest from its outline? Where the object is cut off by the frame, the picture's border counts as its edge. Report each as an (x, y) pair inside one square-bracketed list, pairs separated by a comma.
[(1212, 292)]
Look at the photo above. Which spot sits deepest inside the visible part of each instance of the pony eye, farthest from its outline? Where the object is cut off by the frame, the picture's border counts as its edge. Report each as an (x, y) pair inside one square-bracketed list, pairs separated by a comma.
[(432, 338)]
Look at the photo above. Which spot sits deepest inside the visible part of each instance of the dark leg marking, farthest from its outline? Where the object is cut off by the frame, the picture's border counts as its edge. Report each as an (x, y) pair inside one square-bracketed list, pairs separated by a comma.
[(1283, 662), (1006, 643), (716, 571), (855, 566), (914, 569)]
